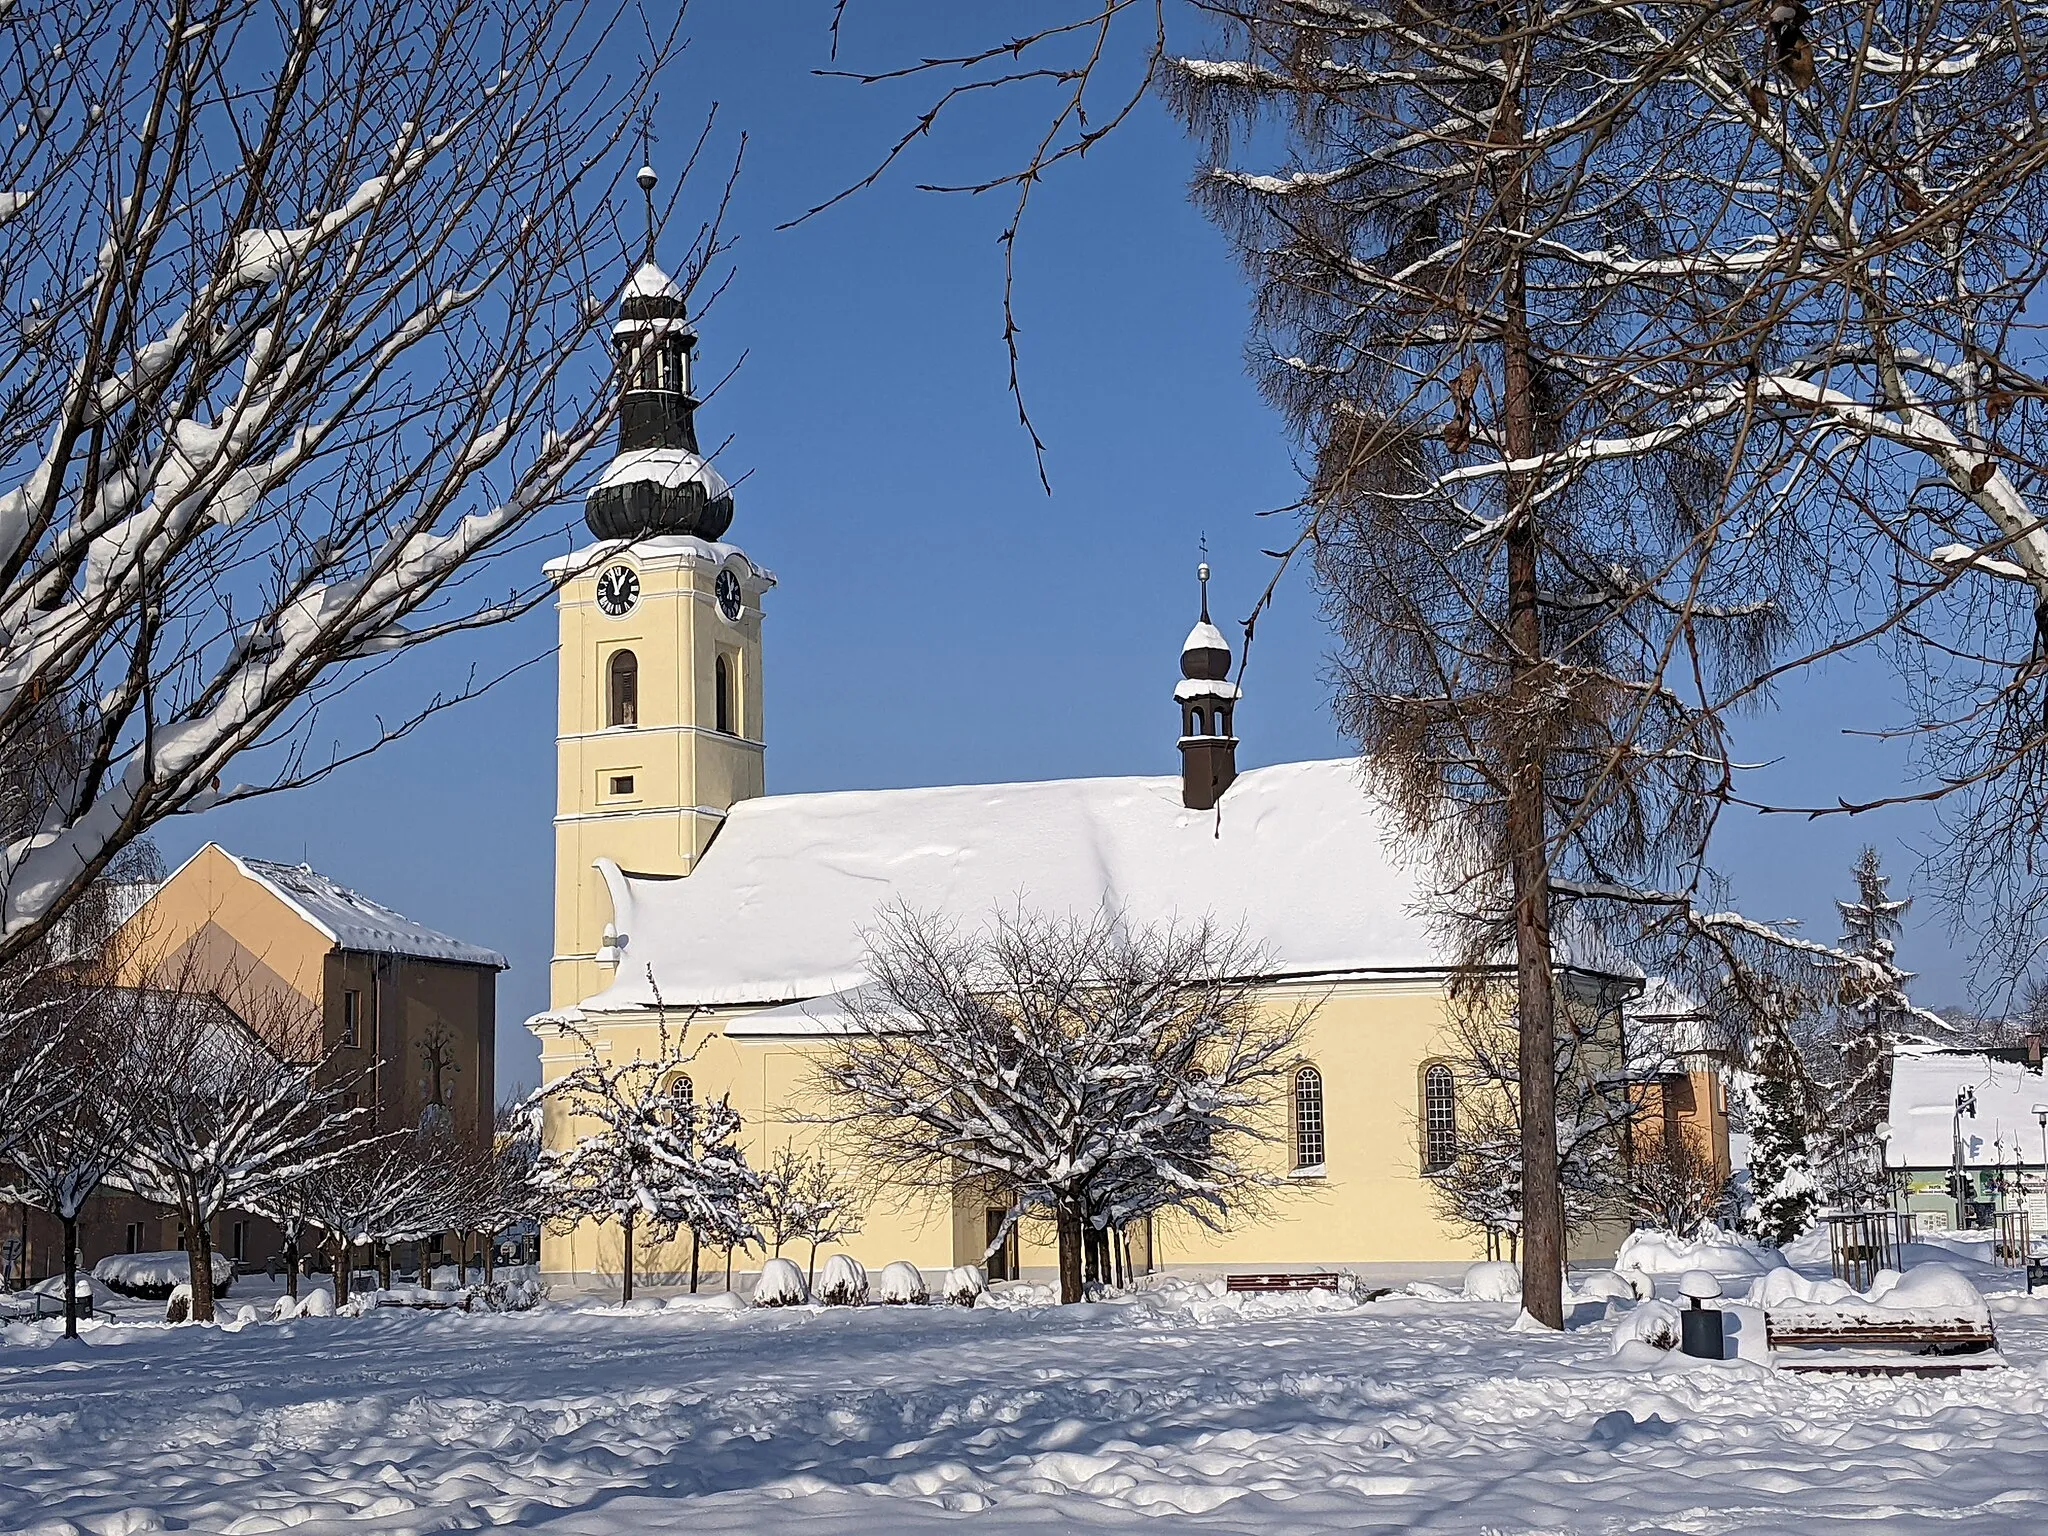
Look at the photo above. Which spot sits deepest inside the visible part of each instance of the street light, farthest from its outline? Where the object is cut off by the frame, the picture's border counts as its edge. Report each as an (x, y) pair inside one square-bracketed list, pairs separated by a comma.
[(1966, 1104)]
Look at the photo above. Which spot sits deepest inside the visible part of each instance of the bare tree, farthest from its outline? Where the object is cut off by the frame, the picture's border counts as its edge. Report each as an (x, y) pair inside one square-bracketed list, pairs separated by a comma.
[(1478, 1185), (639, 1145), (804, 1197), (266, 410), (365, 1191), (1077, 1060), (228, 1108)]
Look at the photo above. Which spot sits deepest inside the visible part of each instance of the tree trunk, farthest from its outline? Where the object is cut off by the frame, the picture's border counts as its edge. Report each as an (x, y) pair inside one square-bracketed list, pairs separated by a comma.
[(1070, 1234), (199, 1244), (490, 1242), (383, 1253), (811, 1271), (1527, 814), (693, 1261), (291, 1269), (70, 1276), (627, 1222), (728, 1267)]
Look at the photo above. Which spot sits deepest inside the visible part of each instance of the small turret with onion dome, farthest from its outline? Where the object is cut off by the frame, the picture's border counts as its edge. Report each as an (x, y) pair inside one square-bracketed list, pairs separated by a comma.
[(658, 482), (1208, 703)]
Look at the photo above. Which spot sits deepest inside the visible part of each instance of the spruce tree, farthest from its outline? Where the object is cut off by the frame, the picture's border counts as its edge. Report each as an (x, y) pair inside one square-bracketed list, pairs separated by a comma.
[(1780, 1165)]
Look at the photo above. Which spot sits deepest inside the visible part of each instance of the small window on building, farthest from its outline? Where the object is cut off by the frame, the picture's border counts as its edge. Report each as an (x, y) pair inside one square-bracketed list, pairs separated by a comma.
[(621, 784), (722, 688), (351, 1017), (1439, 1119), (623, 694), (134, 1237), (1308, 1118)]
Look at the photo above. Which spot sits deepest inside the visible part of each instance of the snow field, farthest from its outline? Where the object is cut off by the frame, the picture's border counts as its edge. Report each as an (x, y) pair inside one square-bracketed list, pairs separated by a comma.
[(1301, 1412)]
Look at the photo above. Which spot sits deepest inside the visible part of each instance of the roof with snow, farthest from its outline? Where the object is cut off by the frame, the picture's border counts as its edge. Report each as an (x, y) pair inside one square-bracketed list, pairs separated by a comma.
[(1205, 637), (355, 922), (650, 282), (776, 910), (670, 467), (2005, 1129)]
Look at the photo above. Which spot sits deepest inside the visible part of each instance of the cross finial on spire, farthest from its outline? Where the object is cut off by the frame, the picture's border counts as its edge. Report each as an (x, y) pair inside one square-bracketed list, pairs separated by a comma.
[(1202, 574), (646, 176)]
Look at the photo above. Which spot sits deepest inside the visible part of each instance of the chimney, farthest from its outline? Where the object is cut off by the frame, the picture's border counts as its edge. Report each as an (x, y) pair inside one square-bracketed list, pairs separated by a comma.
[(1208, 703)]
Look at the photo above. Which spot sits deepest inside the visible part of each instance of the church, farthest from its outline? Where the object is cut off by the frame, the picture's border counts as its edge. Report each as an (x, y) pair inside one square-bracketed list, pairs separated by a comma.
[(683, 891)]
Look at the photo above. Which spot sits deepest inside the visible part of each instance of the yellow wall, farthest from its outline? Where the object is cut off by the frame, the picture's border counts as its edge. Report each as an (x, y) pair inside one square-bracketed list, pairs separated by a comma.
[(1372, 1205), (685, 772)]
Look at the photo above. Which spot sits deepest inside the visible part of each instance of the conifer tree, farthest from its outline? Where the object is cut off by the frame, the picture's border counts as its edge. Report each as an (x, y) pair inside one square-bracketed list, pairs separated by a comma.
[(1780, 1165)]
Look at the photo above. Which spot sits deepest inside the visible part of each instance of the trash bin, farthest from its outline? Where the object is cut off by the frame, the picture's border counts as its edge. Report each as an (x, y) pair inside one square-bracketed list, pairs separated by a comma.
[(1700, 1332)]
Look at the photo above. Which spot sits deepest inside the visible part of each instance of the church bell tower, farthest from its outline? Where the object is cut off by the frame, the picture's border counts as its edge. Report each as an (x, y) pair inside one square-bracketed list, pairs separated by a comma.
[(1208, 707), (659, 704)]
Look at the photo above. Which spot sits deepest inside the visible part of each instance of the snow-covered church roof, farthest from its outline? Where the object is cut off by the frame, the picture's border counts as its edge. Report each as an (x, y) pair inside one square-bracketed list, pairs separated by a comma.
[(776, 909), (355, 922)]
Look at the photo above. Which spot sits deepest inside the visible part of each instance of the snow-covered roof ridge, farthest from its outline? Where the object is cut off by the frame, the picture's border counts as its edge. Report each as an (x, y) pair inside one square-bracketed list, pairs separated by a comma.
[(1298, 853), (355, 922)]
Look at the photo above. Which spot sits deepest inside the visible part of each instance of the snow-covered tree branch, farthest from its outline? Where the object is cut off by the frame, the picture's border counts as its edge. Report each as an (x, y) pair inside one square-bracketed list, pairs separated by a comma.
[(294, 304)]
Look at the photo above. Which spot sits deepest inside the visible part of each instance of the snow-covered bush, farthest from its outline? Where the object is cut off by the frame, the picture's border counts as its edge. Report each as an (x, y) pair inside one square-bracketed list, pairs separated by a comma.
[(781, 1285), (844, 1283), (178, 1306), (902, 1285), (155, 1276), (1494, 1280), (507, 1293), (1718, 1252), (1606, 1285), (318, 1302), (964, 1284), (1654, 1323)]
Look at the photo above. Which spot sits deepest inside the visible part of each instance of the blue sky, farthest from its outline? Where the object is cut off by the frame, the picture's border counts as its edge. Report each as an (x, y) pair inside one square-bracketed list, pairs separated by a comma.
[(938, 617)]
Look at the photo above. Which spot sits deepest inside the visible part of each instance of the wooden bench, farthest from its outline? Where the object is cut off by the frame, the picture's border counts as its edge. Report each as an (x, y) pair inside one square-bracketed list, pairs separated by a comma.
[(1879, 1348), (1310, 1282)]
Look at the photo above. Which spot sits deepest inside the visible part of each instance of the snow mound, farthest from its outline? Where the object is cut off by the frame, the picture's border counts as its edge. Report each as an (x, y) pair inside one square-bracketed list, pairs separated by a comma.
[(153, 1276), (1654, 1323), (717, 1301), (964, 1284), (1495, 1280), (902, 1285), (781, 1285), (844, 1283), (1719, 1253), (1605, 1285), (87, 1289), (1930, 1293)]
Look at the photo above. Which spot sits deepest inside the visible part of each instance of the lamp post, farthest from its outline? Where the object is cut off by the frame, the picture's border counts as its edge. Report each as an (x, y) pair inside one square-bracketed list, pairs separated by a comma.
[(1966, 1104)]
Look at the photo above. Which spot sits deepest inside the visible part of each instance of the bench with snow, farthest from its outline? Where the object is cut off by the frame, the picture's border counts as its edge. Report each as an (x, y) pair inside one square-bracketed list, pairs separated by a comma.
[(1930, 1321), (1310, 1282)]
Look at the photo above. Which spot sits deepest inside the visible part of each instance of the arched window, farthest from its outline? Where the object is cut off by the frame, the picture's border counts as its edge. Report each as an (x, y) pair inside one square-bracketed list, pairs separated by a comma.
[(1439, 1119), (624, 691), (723, 692), (1201, 724), (1308, 1118)]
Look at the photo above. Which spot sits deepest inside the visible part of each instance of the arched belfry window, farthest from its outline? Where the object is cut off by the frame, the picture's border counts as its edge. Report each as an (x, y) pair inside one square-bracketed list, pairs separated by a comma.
[(722, 689), (1308, 1118), (1439, 1119), (622, 705)]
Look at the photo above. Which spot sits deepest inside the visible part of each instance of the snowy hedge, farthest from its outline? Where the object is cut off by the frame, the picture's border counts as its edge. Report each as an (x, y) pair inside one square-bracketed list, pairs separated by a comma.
[(155, 1275), (1493, 1280), (1717, 1252), (781, 1285), (902, 1285), (964, 1284), (844, 1283)]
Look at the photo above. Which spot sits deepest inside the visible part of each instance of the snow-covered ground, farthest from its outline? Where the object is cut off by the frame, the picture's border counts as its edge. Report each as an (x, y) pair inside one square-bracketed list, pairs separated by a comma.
[(1297, 1414)]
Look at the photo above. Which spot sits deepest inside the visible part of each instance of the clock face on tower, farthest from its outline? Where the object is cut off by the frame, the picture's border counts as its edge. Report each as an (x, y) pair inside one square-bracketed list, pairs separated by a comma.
[(730, 598), (618, 589)]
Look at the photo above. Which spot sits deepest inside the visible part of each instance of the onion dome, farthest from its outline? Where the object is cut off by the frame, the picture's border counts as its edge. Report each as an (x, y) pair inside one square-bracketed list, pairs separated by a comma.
[(659, 482)]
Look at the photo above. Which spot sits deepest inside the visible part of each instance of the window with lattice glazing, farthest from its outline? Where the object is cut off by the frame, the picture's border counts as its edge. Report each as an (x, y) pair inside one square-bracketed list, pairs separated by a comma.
[(1439, 1119), (1308, 1118)]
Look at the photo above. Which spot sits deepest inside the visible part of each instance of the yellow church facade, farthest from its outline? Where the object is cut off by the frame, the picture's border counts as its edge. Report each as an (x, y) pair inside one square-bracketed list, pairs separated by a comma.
[(685, 897)]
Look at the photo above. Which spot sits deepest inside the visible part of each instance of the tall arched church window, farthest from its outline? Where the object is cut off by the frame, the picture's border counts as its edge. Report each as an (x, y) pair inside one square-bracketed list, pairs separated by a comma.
[(1439, 1119), (1308, 1118), (623, 691), (723, 689)]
